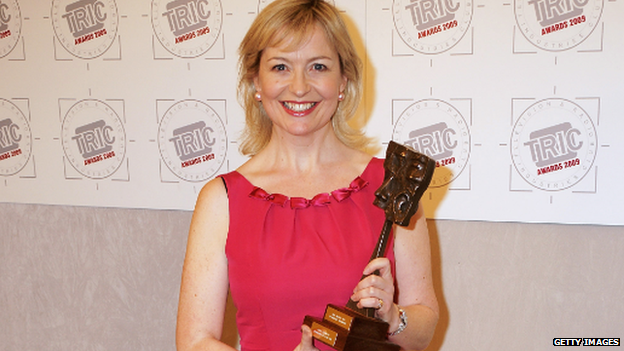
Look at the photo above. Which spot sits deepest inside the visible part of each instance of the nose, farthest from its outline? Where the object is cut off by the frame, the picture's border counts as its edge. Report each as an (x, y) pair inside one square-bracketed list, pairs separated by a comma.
[(299, 84), (383, 193)]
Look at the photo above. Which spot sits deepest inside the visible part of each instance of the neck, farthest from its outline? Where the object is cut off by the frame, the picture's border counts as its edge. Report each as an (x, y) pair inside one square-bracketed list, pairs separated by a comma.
[(302, 154)]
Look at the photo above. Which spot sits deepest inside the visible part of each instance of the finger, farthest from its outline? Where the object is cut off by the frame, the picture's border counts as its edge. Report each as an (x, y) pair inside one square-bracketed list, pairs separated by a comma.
[(374, 286), (372, 302), (380, 264), (370, 296), (384, 308), (307, 341)]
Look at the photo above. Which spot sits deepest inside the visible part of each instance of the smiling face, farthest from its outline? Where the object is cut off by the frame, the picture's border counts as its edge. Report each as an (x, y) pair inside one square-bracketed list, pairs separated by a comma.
[(299, 86)]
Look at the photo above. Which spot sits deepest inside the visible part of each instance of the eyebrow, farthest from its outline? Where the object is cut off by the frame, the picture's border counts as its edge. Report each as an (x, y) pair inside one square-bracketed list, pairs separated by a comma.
[(316, 58)]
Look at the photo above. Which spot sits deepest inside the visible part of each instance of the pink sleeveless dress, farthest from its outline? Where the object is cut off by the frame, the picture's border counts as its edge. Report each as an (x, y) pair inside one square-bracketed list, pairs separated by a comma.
[(290, 257)]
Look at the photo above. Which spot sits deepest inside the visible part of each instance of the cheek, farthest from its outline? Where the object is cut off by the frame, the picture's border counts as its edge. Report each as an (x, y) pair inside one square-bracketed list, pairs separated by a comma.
[(267, 83), (264, 82), (332, 89)]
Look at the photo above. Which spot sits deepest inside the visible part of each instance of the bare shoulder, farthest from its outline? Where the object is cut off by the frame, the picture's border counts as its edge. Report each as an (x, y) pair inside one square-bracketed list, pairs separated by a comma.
[(212, 193), (211, 213), (356, 159)]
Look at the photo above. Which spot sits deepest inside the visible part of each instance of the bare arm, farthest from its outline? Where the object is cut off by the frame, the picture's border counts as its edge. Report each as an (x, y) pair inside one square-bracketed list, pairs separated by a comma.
[(416, 295), (414, 286), (204, 286)]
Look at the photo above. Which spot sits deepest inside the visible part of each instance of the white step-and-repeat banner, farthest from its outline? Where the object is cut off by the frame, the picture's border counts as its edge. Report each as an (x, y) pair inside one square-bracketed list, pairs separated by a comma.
[(132, 103)]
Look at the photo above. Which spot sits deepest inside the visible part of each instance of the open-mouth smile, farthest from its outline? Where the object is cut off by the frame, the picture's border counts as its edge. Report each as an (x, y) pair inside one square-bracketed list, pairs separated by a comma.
[(299, 109)]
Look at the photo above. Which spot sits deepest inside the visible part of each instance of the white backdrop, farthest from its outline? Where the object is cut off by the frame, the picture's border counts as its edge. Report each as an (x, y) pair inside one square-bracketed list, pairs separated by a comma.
[(132, 103)]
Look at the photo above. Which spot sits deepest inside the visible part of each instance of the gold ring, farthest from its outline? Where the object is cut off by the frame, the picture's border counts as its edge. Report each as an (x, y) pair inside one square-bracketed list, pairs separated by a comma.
[(380, 304)]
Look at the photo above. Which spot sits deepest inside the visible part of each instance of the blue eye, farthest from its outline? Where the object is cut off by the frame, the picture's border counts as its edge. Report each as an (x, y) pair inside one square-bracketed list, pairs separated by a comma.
[(280, 67)]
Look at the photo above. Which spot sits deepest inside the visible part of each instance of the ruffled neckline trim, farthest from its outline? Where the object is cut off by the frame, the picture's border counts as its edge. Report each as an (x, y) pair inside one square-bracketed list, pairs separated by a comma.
[(322, 199)]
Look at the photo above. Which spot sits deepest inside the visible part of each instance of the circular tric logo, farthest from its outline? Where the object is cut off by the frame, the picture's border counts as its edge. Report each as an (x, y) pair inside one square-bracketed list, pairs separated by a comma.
[(192, 140), (187, 28), (431, 26), (438, 130), (15, 139), (93, 138), (10, 26), (557, 25), (553, 144), (85, 28)]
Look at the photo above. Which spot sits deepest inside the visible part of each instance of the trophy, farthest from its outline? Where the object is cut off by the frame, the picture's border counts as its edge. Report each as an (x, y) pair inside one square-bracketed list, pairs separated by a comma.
[(407, 176)]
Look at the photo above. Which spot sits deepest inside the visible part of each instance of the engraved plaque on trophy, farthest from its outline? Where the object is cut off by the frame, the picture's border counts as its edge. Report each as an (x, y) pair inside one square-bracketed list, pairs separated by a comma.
[(407, 176), (342, 340)]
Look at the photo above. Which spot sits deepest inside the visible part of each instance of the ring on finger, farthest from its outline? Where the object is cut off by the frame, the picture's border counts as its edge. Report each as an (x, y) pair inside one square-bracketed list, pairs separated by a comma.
[(380, 304)]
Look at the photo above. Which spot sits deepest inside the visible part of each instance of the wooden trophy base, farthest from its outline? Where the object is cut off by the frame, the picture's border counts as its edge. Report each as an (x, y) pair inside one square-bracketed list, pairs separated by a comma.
[(346, 330)]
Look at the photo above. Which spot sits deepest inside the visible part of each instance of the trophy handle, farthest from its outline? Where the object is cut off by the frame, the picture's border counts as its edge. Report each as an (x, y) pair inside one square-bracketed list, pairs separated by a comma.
[(380, 251)]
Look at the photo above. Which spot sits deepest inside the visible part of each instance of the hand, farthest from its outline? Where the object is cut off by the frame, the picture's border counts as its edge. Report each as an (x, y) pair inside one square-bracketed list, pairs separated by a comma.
[(307, 342), (377, 291)]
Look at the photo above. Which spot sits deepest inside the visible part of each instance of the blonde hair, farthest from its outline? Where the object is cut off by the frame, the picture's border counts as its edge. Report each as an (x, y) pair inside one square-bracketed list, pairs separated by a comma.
[(292, 21)]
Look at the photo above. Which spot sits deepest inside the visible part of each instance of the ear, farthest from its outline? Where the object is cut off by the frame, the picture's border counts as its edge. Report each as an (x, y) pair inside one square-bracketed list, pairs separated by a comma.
[(343, 85), (256, 83)]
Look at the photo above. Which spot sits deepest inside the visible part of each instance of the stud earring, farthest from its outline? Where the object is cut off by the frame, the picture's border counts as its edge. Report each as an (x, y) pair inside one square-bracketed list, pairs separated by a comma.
[(341, 97), (258, 97)]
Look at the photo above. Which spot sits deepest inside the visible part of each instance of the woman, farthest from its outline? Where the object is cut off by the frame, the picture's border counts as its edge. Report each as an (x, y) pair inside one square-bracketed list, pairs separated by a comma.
[(276, 232)]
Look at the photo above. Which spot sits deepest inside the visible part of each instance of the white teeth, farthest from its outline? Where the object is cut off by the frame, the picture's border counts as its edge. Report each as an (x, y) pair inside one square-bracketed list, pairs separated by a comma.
[(299, 107)]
